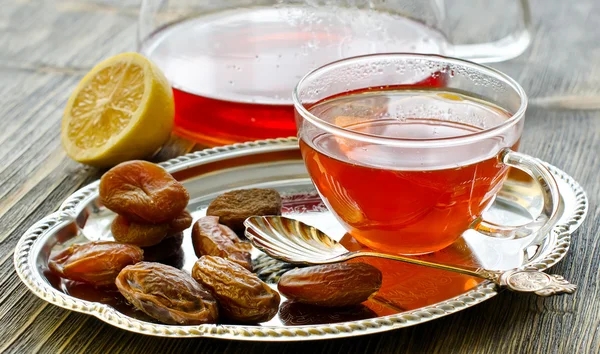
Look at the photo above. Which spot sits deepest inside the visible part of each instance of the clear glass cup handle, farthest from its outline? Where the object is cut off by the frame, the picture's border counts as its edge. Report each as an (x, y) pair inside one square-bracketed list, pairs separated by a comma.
[(543, 224), (505, 48)]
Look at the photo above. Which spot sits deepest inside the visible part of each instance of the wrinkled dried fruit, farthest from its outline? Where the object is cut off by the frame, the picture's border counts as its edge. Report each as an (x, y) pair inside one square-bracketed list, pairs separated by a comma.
[(181, 222), (176, 260), (242, 296), (143, 192), (96, 263), (146, 235), (234, 207), (143, 235), (165, 249), (211, 239), (244, 246), (298, 314), (167, 294), (331, 285)]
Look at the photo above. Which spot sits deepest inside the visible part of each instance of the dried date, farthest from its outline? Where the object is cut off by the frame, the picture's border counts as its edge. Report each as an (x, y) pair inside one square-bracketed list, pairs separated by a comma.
[(242, 296), (212, 239), (143, 192), (96, 263), (331, 285), (165, 249), (176, 260), (167, 294), (234, 207)]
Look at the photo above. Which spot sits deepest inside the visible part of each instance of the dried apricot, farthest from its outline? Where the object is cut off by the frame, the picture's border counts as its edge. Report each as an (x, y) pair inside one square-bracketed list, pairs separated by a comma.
[(181, 222), (242, 296), (143, 235), (167, 294), (234, 207), (143, 192), (212, 239), (331, 285), (146, 235), (96, 263)]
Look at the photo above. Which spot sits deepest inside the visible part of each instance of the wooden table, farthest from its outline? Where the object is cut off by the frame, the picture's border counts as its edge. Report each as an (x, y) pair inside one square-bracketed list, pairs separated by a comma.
[(46, 47)]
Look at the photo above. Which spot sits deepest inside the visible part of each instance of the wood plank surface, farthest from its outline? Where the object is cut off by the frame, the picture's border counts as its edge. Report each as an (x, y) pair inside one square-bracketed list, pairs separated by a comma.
[(46, 47)]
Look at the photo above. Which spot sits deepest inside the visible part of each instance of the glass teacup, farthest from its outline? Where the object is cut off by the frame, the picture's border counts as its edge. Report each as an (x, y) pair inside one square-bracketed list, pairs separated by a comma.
[(409, 150)]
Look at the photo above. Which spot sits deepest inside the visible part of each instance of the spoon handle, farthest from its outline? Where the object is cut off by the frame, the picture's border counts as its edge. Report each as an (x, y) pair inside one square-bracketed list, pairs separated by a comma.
[(530, 281), (519, 280)]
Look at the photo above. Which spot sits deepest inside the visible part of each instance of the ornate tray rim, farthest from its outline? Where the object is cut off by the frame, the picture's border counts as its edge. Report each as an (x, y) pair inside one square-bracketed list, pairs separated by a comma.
[(24, 260)]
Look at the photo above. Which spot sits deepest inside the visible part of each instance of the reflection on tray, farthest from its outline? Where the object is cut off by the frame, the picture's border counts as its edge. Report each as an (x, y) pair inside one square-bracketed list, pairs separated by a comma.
[(408, 287), (297, 314)]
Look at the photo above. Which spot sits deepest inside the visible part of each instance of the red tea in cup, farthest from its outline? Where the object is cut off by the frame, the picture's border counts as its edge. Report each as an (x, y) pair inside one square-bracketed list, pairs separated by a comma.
[(388, 199)]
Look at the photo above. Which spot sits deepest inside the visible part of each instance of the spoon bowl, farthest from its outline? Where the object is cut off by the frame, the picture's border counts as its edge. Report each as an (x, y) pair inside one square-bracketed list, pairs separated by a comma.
[(293, 241)]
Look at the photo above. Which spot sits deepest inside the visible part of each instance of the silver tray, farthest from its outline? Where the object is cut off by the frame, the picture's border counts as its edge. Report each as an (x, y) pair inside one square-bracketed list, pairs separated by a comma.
[(277, 164)]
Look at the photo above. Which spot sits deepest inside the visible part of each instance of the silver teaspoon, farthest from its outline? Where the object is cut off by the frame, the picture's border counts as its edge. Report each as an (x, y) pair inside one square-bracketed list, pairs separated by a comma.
[(293, 241)]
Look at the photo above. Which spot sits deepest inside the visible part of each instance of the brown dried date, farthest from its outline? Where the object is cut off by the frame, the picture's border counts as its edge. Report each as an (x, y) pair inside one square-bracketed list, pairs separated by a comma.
[(167, 294), (212, 239), (242, 296), (143, 192), (234, 207), (146, 235), (331, 285), (176, 260), (96, 263), (165, 249)]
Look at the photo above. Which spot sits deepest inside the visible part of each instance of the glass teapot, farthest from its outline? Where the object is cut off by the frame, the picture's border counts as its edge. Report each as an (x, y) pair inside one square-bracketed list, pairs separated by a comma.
[(233, 63)]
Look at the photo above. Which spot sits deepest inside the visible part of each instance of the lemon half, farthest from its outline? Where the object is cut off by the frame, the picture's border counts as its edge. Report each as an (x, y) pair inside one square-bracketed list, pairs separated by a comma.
[(121, 110)]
